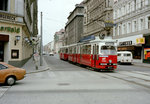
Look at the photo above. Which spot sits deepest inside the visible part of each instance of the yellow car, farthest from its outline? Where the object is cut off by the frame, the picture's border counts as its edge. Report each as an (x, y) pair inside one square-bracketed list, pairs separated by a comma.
[(10, 74)]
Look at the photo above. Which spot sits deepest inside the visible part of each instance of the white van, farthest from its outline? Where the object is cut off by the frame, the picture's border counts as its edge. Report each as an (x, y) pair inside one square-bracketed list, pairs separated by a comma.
[(124, 57)]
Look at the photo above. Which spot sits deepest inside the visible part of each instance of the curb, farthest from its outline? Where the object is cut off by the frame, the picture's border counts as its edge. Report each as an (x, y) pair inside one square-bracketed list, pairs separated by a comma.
[(141, 65), (37, 71)]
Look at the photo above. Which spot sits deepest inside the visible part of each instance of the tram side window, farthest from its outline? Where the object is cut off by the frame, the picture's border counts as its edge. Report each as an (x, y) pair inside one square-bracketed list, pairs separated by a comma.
[(70, 50), (74, 50), (66, 50), (97, 50), (84, 50), (89, 49)]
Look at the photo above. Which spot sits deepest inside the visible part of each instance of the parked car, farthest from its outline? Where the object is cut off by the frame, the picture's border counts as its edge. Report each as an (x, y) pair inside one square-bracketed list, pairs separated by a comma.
[(10, 74), (125, 57), (51, 54)]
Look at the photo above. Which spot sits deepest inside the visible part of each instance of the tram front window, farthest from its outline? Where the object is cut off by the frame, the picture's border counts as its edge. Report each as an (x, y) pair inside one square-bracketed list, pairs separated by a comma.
[(108, 50)]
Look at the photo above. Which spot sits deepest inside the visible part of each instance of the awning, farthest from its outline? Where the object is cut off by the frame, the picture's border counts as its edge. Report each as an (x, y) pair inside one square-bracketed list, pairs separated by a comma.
[(4, 38)]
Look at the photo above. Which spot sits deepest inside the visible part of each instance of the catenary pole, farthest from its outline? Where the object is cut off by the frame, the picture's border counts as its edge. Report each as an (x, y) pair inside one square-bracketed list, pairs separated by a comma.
[(41, 45)]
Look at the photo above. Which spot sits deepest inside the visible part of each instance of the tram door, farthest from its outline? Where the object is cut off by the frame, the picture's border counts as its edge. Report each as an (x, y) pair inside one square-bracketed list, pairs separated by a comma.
[(95, 54), (1, 51)]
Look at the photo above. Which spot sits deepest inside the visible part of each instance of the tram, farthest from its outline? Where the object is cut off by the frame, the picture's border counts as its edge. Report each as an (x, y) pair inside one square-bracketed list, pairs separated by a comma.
[(98, 54)]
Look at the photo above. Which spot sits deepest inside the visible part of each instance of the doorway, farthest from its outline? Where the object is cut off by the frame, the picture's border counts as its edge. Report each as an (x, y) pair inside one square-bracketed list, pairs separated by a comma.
[(1, 51)]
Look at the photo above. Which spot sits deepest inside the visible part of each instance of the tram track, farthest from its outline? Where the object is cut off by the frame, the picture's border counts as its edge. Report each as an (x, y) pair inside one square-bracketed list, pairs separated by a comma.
[(131, 79), (128, 78), (147, 79)]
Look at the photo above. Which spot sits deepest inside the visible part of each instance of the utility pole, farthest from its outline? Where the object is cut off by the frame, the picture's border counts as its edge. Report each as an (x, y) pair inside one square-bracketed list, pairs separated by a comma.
[(41, 45)]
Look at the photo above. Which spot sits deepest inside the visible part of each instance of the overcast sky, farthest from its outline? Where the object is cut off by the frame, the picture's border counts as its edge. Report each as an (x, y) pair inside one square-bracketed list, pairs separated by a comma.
[(55, 13)]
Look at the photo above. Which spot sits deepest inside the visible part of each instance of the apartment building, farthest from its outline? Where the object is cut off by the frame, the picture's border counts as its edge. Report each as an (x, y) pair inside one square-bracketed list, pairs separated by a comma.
[(48, 48), (18, 24), (58, 40), (97, 14), (133, 27), (74, 25)]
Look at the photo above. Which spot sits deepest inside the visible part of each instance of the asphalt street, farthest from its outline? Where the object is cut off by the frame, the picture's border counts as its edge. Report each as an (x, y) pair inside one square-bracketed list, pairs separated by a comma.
[(67, 83)]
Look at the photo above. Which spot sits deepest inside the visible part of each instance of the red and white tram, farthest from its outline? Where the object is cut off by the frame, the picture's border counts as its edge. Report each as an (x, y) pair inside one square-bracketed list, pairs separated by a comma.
[(98, 54)]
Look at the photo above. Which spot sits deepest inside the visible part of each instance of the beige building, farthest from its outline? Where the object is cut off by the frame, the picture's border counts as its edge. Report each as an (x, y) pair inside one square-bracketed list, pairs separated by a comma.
[(97, 14), (58, 40), (18, 24), (49, 48)]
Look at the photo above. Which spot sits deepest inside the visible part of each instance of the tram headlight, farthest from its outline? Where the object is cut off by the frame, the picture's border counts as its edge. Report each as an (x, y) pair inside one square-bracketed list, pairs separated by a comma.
[(110, 61)]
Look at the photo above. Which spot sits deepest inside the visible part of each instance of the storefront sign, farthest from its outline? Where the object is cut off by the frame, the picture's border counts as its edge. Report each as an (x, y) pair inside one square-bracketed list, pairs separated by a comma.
[(126, 43), (146, 53), (7, 17), (140, 40), (10, 29)]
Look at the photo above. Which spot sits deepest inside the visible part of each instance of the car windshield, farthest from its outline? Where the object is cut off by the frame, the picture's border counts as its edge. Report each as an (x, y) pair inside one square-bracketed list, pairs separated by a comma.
[(108, 50), (127, 54), (3, 67)]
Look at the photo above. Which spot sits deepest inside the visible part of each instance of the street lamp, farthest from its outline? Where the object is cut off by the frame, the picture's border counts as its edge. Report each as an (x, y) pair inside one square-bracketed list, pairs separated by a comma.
[(17, 38)]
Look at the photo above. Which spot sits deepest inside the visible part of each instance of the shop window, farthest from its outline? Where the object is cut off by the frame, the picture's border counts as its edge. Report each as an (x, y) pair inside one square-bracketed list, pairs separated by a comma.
[(4, 5)]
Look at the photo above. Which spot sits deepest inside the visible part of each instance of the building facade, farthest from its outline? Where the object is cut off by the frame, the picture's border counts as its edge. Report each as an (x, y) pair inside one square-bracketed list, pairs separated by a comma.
[(74, 26), (133, 26), (97, 13), (58, 40), (18, 23), (48, 48)]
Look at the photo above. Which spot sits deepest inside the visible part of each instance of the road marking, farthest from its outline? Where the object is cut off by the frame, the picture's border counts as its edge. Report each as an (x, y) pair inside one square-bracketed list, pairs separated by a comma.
[(3, 90)]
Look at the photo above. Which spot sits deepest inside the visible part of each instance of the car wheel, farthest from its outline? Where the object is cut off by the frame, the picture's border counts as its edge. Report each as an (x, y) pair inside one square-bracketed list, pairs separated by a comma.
[(10, 81)]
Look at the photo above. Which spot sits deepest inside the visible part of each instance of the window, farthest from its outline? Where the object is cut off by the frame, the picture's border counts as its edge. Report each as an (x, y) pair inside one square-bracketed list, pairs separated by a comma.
[(119, 55), (129, 7), (108, 50), (124, 29), (4, 5), (129, 27), (124, 10), (14, 54), (142, 24), (148, 22), (142, 3), (119, 30), (127, 54), (116, 33), (3, 67), (135, 5), (135, 26)]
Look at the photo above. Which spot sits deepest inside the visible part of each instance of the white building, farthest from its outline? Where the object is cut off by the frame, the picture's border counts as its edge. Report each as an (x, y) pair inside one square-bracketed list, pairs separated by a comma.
[(133, 26)]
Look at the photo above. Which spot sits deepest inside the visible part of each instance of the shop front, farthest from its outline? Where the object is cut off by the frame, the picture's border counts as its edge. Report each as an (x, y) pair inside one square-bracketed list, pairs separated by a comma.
[(13, 47), (146, 48), (132, 44)]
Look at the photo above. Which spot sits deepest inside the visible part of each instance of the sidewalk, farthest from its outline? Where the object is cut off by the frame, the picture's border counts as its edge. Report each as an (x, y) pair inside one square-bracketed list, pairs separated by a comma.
[(30, 66), (137, 62)]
